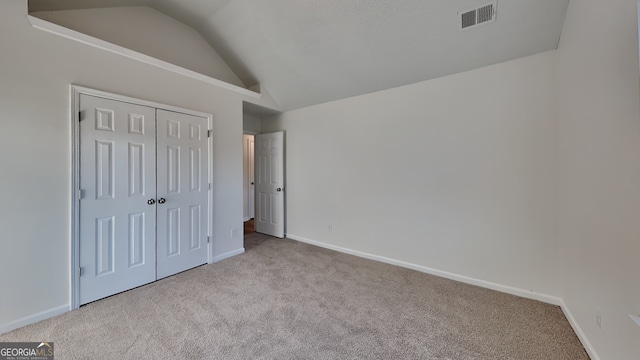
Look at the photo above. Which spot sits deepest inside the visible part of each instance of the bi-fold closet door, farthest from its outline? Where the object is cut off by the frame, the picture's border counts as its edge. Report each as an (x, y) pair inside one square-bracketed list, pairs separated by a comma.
[(143, 202)]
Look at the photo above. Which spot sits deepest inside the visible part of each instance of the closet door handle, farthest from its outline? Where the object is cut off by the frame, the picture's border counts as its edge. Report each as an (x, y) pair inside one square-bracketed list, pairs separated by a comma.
[(162, 201), (151, 201)]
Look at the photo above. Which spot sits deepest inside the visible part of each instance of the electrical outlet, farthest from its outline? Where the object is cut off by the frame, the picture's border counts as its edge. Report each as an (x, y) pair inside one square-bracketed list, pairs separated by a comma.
[(234, 233), (330, 227), (599, 319)]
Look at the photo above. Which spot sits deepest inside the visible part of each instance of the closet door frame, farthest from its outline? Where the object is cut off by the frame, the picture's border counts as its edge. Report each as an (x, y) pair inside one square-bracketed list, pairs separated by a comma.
[(74, 113)]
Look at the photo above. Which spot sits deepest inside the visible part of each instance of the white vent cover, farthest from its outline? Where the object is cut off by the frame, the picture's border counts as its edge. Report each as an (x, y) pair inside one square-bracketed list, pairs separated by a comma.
[(477, 16)]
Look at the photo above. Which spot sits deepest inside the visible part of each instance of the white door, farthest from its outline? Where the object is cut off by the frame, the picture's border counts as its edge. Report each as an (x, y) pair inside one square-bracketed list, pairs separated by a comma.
[(182, 192), (269, 157), (118, 191)]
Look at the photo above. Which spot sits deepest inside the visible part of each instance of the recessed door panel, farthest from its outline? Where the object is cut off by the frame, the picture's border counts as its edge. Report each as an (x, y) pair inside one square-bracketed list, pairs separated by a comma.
[(136, 239), (263, 174), (274, 218), (195, 131), (136, 170), (173, 129), (173, 232), (195, 229), (274, 171), (173, 169), (104, 170), (136, 124), (105, 243), (263, 212), (105, 119), (195, 169)]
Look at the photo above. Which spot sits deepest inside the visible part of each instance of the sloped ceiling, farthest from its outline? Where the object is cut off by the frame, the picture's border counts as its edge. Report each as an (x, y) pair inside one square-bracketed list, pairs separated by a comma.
[(308, 52)]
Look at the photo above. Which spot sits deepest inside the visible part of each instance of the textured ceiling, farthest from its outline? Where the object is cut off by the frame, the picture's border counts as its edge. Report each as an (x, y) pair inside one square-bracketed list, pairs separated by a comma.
[(307, 52)]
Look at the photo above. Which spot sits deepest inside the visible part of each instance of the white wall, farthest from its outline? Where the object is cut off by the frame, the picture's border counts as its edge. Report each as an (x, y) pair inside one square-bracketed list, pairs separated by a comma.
[(150, 32), (599, 164), (36, 71), (251, 124), (456, 174)]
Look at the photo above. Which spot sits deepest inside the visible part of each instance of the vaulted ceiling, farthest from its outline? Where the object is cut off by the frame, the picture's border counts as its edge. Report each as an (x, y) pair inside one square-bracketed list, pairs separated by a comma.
[(307, 52)]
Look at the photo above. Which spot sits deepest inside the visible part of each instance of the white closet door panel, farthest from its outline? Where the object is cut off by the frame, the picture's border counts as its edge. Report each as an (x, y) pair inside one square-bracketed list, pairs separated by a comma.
[(182, 188), (117, 178)]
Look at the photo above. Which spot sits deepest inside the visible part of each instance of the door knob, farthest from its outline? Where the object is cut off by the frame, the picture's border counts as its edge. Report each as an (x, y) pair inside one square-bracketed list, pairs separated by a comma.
[(162, 201), (151, 201), (279, 189)]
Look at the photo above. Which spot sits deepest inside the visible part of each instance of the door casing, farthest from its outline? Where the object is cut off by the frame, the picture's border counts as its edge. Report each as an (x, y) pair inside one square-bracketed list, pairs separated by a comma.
[(74, 108), (248, 207)]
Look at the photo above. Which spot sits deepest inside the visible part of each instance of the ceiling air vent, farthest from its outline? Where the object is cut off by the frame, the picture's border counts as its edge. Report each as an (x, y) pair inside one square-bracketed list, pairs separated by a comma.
[(477, 16)]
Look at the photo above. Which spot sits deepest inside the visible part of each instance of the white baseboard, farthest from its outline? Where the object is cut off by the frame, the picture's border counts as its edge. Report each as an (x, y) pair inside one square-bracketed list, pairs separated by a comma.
[(549, 299), (32, 319), (227, 255), (578, 330)]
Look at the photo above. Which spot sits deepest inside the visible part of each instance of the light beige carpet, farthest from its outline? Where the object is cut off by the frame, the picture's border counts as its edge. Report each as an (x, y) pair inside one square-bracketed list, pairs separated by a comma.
[(287, 300)]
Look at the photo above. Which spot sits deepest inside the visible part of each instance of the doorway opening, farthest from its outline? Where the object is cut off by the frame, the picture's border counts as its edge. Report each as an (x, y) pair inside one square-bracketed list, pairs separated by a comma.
[(248, 181), (263, 177)]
